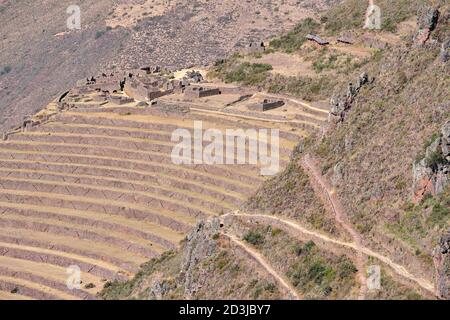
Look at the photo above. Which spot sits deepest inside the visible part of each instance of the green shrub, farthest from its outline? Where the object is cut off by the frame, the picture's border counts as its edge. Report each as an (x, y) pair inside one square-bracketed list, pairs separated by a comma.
[(6, 70), (254, 237), (99, 34), (435, 159)]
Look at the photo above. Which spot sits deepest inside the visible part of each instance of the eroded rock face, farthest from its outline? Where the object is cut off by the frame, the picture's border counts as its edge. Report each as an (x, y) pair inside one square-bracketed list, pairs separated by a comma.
[(199, 246), (441, 259), (432, 173), (340, 104), (427, 19)]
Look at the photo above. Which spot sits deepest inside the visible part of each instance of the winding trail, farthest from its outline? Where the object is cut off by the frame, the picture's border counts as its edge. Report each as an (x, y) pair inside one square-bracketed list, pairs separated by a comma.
[(260, 259), (425, 284), (362, 252), (316, 177)]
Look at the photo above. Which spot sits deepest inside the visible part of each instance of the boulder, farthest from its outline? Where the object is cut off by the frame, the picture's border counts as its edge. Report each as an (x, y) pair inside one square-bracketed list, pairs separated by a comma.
[(427, 20), (427, 17)]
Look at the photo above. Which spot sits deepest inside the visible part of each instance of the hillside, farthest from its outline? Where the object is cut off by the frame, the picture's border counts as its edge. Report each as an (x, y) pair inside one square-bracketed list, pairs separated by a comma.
[(376, 177), (356, 205)]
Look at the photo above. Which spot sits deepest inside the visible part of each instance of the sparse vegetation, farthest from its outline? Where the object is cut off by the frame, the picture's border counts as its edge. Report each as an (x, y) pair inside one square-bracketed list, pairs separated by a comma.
[(246, 73), (293, 40), (254, 237)]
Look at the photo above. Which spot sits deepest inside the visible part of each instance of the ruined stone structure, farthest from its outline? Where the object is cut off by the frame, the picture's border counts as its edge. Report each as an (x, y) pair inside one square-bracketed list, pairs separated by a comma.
[(266, 105), (148, 88), (119, 100), (201, 92), (104, 83), (345, 40), (255, 47), (317, 39)]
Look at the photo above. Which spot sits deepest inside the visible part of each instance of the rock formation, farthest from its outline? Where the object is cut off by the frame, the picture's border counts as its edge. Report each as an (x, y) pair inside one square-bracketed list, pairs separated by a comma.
[(340, 104), (427, 19), (441, 259), (199, 246), (432, 173)]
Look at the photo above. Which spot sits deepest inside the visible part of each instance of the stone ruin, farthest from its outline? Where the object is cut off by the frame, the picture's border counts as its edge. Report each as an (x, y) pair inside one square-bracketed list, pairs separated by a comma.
[(345, 40), (151, 87), (201, 92), (102, 83), (266, 105), (317, 39), (255, 47), (119, 100)]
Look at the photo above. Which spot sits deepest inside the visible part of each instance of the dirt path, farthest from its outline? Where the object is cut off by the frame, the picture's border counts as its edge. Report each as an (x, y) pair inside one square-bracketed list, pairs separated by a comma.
[(316, 177), (260, 259), (400, 270)]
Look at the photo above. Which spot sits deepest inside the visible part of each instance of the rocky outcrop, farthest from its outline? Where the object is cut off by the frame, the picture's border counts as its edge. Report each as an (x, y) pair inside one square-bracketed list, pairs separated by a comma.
[(441, 259), (342, 103), (445, 50), (194, 76), (427, 19), (432, 173), (199, 246)]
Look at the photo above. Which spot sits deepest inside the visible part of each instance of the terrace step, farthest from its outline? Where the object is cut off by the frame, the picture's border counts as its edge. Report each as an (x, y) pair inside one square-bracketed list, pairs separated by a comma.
[(286, 145), (55, 227), (221, 194), (8, 296), (162, 238), (69, 149), (106, 193), (32, 289), (62, 259), (95, 250), (161, 124), (172, 220), (47, 275), (204, 173), (172, 192)]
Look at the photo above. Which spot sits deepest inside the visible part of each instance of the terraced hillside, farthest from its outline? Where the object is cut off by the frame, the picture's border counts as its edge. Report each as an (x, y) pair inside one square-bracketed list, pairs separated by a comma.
[(96, 188)]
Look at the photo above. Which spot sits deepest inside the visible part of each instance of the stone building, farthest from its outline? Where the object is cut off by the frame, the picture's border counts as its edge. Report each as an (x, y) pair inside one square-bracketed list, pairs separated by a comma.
[(201, 92), (317, 39), (266, 105), (148, 88)]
